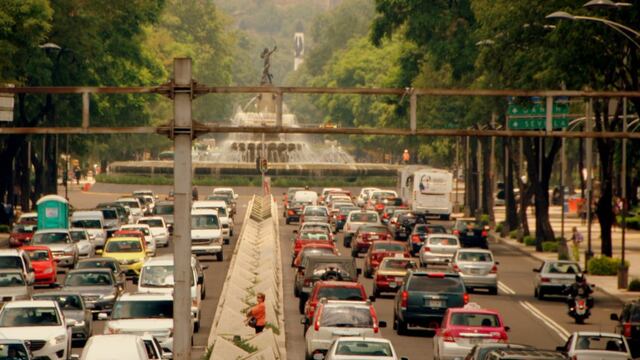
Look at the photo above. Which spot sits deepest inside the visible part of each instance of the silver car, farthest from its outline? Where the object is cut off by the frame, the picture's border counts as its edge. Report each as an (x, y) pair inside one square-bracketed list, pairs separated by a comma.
[(64, 250), (73, 307), (438, 249), (315, 214), (477, 268), (86, 247), (13, 286), (553, 276), (593, 345)]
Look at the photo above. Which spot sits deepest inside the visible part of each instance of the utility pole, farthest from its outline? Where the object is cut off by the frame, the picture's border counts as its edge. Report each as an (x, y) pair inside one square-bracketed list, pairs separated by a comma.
[(589, 141), (623, 271), (183, 132)]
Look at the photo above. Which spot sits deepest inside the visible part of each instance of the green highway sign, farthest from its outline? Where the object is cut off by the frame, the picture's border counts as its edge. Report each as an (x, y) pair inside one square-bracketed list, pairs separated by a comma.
[(533, 123), (533, 116)]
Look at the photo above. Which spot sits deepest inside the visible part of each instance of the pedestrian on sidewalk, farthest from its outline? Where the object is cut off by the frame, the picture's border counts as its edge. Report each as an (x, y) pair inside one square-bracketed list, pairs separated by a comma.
[(256, 316), (576, 240)]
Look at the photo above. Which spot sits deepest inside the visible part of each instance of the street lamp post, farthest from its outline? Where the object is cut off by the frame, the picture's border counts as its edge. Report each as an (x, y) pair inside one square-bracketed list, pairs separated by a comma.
[(620, 28), (623, 271)]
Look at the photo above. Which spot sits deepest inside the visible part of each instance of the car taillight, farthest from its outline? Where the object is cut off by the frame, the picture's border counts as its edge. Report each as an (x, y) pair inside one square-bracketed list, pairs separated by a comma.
[(447, 336), (465, 298), (494, 269), (342, 217), (545, 280), (456, 232), (316, 325), (425, 248), (456, 268), (376, 327), (291, 212), (404, 298), (415, 239), (311, 308), (484, 233), (626, 330)]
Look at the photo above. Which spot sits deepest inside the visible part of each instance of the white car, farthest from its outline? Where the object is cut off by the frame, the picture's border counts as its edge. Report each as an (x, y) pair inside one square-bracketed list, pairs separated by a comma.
[(592, 345), (362, 348), (158, 229), (325, 192), (355, 219), (149, 240), (223, 215), (438, 249), (206, 233), (135, 208), (107, 347), (143, 313), (20, 260), (86, 247), (156, 276), (40, 322), (93, 221), (336, 318), (363, 198)]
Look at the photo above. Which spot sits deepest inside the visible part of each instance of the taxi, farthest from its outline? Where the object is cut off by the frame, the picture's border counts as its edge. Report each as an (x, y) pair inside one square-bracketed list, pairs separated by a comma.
[(391, 272), (130, 252)]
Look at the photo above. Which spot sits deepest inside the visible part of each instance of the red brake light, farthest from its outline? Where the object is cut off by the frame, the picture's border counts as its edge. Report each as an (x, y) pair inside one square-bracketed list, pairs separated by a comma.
[(436, 275), (376, 327), (404, 299), (415, 239), (485, 233), (447, 336), (494, 269), (456, 232), (426, 248), (465, 298), (316, 325), (291, 212), (626, 329), (456, 268), (545, 280)]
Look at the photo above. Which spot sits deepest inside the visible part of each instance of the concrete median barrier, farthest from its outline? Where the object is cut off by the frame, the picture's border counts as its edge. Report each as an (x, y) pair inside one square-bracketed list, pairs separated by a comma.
[(255, 267)]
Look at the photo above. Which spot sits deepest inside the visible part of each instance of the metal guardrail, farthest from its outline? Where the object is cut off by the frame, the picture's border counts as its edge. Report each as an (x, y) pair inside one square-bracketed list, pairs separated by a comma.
[(255, 267)]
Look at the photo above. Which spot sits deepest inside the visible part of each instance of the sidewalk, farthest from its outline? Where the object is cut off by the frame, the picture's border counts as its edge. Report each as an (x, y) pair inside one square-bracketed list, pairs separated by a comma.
[(608, 284)]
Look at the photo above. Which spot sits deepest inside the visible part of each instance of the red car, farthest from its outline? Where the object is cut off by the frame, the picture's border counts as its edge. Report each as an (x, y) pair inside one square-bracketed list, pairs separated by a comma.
[(314, 249), (21, 234), (332, 290), (381, 249), (463, 328), (43, 264), (310, 237), (365, 235)]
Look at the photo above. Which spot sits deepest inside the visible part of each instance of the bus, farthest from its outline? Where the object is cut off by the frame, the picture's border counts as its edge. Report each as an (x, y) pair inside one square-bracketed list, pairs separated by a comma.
[(426, 190)]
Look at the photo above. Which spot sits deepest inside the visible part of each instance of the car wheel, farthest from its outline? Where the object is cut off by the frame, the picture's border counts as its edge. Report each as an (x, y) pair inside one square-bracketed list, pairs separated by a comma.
[(204, 293), (376, 293), (296, 292), (219, 256), (196, 326), (535, 292), (493, 291), (286, 221), (367, 273), (540, 294), (301, 303), (230, 232), (402, 327), (354, 253), (226, 241)]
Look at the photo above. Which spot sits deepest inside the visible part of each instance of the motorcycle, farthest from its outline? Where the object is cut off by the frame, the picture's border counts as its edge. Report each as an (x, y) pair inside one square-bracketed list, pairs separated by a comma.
[(579, 309)]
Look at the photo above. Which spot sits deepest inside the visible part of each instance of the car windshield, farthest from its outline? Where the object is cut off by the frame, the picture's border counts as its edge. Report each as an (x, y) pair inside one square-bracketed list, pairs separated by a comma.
[(340, 293), (97, 264), (563, 268), (142, 229), (29, 316), (347, 209), (88, 279), (474, 256), (474, 319), (445, 241), (66, 302), (397, 264), (22, 228), (381, 246), (315, 211), (316, 251), (435, 284), (203, 222), (78, 235), (87, 224), (38, 255), (346, 316), (124, 246), (51, 238), (109, 214), (601, 343), (131, 204), (13, 352), (11, 279), (156, 309), (364, 217), (158, 276), (151, 222), (10, 262), (308, 235), (364, 348), (315, 227), (163, 209)]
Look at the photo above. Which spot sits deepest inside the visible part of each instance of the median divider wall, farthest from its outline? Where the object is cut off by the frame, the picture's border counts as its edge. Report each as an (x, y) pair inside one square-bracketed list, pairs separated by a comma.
[(255, 267)]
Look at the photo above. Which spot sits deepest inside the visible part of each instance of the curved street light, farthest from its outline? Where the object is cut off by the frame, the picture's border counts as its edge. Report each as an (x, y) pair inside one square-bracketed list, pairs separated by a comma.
[(622, 29)]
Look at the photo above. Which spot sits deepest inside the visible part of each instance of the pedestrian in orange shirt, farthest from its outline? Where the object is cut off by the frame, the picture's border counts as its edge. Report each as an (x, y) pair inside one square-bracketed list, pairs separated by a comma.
[(258, 313)]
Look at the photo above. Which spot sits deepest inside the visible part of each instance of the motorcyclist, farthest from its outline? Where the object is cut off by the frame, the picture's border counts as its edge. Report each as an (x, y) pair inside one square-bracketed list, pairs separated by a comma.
[(579, 288)]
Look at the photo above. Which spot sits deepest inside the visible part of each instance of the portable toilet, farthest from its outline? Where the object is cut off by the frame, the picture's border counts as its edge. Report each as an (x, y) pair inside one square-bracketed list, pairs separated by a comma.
[(53, 212)]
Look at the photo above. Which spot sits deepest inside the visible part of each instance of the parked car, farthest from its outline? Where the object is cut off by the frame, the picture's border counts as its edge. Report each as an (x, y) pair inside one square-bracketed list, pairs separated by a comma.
[(118, 346), (334, 319), (41, 323), (158, 229), (43, 263), (81, 237), (73, 307), (349, 348), (332, 290), (423, 298), (629, 325), (98, 287), (381, 249), (471, 233), (104, 263), (18, 259), (553, 276), (130, 253), (477, 268), (355, 219), (366, 235), (13, 286), (391, 274), (21, 234), (64, 250), (593, 345), (462, 328), (438, 249)]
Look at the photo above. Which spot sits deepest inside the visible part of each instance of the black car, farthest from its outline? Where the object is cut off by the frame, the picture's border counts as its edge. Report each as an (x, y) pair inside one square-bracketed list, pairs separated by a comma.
[(405, 224), (629, 326), (295, 211), (471, 233)]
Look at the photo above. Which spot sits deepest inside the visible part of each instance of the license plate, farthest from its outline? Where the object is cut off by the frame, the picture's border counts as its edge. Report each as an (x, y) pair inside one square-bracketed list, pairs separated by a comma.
[(374, 237), (475, 271), (435, 303), (393, 284), (399, 279), (469, 233), (475, 341)]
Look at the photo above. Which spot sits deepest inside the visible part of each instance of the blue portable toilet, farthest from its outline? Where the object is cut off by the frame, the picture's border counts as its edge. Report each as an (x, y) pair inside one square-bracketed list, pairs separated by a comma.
[(53, 212)]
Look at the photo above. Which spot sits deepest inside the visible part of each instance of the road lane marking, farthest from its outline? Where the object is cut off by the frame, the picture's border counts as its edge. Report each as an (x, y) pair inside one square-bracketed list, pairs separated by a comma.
[(505, 289), (562, 333)]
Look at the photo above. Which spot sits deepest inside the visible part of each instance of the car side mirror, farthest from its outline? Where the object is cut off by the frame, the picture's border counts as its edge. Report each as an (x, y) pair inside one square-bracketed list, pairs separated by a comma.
[(359, 271), (372, 298), (614, 317), (497, 262), (99, 252), (382, 324), (70, 323), (200, 280), (103, 316), (507, 328), (536, 270)]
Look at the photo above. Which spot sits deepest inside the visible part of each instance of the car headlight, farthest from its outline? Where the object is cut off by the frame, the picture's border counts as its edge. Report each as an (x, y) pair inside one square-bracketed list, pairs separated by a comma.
[(48, 271), (79, 324), (57, 340), (109, 297)]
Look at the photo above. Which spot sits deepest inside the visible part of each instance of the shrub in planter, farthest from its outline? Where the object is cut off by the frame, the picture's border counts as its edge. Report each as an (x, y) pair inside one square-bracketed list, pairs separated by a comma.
[(513, 234), (499, 227), (550, 246), (603, 265), (4, 228), (530, 240), (484, 219), (634, 285)]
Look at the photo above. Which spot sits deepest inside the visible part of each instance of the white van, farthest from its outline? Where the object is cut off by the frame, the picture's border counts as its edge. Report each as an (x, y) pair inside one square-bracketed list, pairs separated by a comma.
[(206, 233), (306, 196), (223, 214), (428, 191), (93, 222)]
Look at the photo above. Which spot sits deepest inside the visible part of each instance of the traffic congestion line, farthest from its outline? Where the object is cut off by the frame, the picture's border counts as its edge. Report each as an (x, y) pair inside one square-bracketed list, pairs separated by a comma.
[(559, 330)]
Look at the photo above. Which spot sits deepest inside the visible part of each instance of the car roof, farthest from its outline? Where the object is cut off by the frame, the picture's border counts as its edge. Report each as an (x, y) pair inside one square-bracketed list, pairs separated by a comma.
[(362, 338), (461, 250), (478, 310), (364, 212), (164, 202), (596, 333), (342, 284), (29, 303), (561, 262), (52, 231), (128, 198), (87, 213), (131, 226), (10, 271), (450, 236), (10, 252), (165, 259), (151, 218), (145, 296), (89, 270), (213, 203), (35, 247), (204, 212), (98, 258), (344, 303), (77, 229), (124, 238)]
